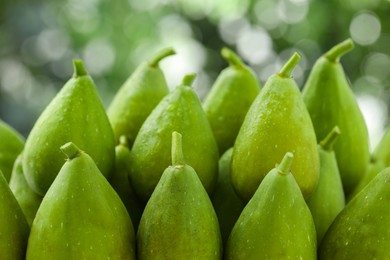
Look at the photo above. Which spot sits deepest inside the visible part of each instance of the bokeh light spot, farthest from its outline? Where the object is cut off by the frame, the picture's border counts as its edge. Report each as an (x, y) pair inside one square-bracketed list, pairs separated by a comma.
[(99, 56), (254, 45), (230, 28), (374, 112), (377, 65), (365, 28), (292, 11), (267, 15)]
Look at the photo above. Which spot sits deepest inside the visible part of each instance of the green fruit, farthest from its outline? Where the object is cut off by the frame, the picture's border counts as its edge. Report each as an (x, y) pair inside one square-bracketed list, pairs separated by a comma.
[(179, 221), (76, 114), (179, 111), (379, 160), (81, 216), (276, 223), (328, 199), (382, 151), (361, 230), (277, 122), (14, 229), (375, 166), (121, 183), (11, 146), (28, 200), (228, 206), (330, 102), (137, 97), (229, 99)]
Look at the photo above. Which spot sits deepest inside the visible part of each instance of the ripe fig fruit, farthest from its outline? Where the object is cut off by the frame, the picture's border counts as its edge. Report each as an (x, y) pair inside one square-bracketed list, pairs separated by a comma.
[(229, 99), (28, 200), (330, 101), (81, 216), (328, 199), (382, 150), (76, 114), (276, 223), (227, 204), (179, 221), (361, 230), (375, 166), (179, 111), (11, 146), (137, 97), (276, 123), (14, 229), (121, 183)]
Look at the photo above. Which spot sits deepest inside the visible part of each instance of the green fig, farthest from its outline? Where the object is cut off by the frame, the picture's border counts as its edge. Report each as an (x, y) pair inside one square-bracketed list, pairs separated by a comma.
[(382, 151), (121, 183), (14, 229), (228, 206), (277, 122), (11, 145), (328, 199), (28, 200), (137, 97), (276, 223), (229, 99), (179, 111), (179, 221), (81, 216), (379, 160), (361, 230), (330, 101), (375, 166), (76, 114)]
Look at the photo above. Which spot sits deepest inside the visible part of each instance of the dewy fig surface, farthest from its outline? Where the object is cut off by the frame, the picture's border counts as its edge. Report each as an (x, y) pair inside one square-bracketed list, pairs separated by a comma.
[(81, 216), (11, 145), (138, 96), (330, 102), (179, 221), (28, 200), (121, 183), (75, 114), (276, 123), (229, 99), (227, 204), (276, 223), (180, 111), (361, 230), (328, 199), (14, 229)]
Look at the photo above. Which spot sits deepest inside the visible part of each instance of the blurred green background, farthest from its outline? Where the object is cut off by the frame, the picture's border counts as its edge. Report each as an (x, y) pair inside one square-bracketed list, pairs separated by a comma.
[(39, 39)]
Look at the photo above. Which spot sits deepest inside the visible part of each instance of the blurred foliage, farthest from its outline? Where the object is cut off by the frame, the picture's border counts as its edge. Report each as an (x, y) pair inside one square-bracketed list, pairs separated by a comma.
[(39, 39)]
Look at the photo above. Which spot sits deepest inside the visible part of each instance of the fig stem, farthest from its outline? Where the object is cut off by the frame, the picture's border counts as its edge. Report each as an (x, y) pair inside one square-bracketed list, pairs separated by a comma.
[(123, 140), (231, 57), (79, 69), (328, 142), (339, 50), (177, 149), (70, 150), (161, 55), (285, 165), (287, 69), (188, 79)]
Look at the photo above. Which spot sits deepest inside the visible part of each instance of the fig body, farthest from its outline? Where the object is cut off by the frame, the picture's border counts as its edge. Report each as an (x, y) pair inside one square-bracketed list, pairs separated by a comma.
[(76, 114), (276, 123)]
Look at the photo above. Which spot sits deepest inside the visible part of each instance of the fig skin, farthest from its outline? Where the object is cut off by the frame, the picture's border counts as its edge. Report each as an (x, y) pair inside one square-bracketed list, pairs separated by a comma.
[(330, 101), (76, 114), (276, 123)]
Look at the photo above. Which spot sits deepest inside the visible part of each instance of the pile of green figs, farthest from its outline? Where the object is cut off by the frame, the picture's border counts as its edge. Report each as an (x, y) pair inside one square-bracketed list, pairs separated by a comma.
[(250, 172)]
